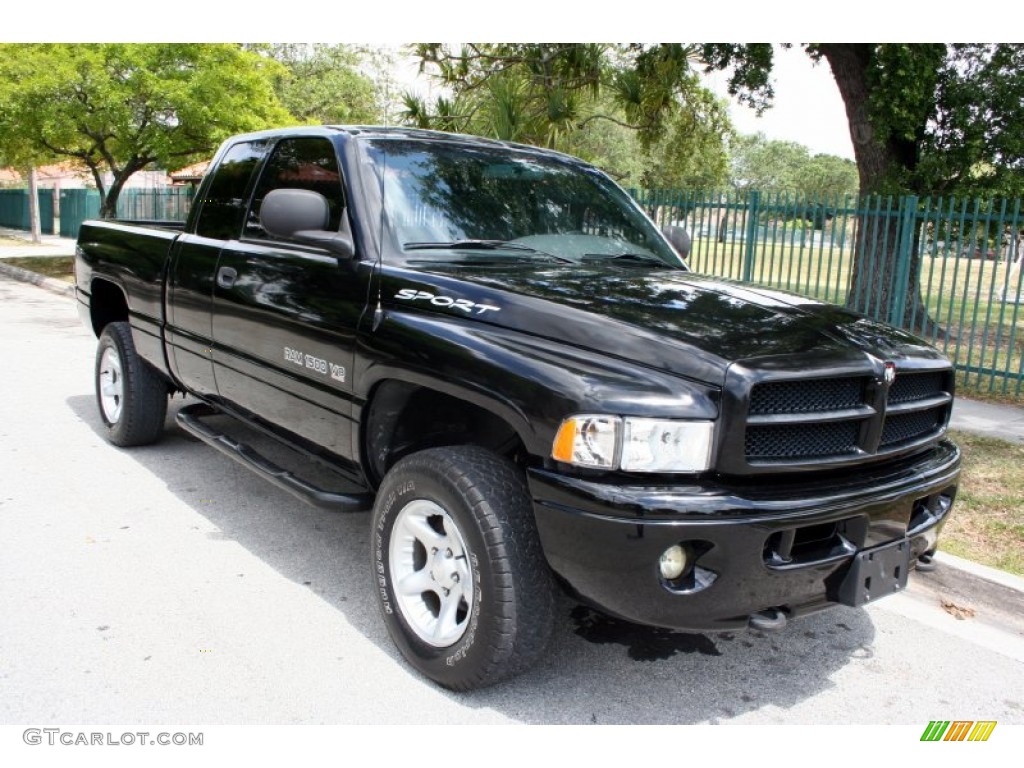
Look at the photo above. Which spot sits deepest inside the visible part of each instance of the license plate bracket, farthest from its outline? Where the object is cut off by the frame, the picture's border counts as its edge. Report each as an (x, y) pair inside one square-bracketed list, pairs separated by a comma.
[(876, 573)]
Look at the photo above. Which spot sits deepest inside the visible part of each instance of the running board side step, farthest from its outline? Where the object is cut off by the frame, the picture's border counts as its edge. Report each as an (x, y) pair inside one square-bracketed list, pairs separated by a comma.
[(188, 418)]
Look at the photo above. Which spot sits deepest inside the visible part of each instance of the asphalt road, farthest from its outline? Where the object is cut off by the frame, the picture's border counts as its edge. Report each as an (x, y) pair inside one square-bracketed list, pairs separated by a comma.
[(169, 585)]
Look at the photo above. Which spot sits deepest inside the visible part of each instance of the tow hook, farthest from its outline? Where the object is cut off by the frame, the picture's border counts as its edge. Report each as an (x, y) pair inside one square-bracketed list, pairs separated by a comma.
[(769, 620)]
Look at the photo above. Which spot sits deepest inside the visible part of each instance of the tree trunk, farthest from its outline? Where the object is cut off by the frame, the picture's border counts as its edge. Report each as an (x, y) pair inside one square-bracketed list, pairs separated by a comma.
[(108, 201), (33, 206), (109, 197), (876, 279)]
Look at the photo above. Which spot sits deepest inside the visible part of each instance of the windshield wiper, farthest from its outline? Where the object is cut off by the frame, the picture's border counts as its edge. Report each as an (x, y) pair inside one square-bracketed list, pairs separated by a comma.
[(639, 258), (484, 245), (467, 243)]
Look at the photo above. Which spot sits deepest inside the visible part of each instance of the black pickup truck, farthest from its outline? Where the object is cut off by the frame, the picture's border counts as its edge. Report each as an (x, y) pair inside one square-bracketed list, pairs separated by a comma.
[(532, 389)]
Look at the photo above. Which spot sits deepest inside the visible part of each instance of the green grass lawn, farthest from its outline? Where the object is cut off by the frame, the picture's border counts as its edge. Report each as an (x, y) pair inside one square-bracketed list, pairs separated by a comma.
[(987, 522), (59, 267)]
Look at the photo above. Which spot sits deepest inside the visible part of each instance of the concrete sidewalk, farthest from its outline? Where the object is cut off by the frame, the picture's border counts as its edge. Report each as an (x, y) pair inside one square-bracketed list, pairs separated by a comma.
[(51, 245), (990, 419)]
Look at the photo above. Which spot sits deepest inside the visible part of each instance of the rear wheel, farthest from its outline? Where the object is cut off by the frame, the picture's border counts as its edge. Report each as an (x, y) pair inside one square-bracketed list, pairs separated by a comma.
[(461, 579), (132, 397)]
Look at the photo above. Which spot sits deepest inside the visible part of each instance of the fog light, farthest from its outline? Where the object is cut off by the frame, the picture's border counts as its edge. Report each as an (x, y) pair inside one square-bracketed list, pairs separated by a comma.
[(672, 562)]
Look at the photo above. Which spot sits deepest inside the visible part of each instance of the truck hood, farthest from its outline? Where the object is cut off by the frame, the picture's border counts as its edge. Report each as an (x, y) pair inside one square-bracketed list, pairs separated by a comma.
[(682, 322)]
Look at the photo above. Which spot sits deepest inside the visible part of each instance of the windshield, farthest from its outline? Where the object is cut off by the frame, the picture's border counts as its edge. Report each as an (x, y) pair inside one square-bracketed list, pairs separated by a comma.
[(452, 202)]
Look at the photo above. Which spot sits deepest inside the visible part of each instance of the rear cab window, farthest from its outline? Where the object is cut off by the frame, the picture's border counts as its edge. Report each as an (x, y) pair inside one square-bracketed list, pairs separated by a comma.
[(222, 209)]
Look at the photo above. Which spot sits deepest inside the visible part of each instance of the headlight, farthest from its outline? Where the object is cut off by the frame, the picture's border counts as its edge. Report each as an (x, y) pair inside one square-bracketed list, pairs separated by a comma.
[(649, 445), (634, 444)]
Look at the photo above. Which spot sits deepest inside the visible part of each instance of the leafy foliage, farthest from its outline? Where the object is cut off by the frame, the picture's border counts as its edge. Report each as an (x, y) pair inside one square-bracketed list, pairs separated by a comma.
[(750, 66), (693, 151), (378, 63), (118, 107), (321, 84), (637, 111), (974, 143), (772, 165), (924, 118), (826, 176)]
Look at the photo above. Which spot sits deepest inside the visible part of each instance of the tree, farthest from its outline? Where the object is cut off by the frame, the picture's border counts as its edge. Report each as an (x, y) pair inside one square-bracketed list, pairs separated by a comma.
[(378, 63), (827, 176), (612, 147), (321, 83), (637, 111), (692, 151), (118, 108), (787, 166), (974, 144), (533, 93), (16, 152), (924, 119), (767, 164)]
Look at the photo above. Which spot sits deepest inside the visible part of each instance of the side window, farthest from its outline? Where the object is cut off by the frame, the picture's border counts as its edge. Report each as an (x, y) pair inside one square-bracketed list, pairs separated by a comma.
[(223, 205), (300, 163)]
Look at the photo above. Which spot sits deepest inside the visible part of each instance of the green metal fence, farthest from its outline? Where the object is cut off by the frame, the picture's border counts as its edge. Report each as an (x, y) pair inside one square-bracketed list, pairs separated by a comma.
[(164, 204), (155, 204), (77, 205), (14, 211), (965, 255)]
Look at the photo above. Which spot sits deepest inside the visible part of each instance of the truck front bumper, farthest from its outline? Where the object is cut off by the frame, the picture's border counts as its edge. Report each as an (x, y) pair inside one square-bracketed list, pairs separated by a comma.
[(789, 547)]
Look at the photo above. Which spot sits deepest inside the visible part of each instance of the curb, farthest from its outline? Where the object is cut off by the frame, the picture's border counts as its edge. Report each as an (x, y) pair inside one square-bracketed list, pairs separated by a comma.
[(56, 286), (997, 597), (979, 571)]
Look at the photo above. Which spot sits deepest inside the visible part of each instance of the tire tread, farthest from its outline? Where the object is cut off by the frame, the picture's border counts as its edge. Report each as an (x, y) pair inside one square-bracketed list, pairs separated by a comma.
[(145, 393), (496, 493)]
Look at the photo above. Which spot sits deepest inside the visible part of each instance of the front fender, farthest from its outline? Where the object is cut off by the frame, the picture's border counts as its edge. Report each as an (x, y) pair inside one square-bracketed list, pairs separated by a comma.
[(529, 382)]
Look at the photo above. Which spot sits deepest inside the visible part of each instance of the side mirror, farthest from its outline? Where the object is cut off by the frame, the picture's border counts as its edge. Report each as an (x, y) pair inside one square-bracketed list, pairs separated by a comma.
[(303, 215), (679, 239)]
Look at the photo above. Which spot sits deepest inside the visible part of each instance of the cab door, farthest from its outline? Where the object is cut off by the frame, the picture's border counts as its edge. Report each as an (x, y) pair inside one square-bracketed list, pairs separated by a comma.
[(285, 314), (219, 216)]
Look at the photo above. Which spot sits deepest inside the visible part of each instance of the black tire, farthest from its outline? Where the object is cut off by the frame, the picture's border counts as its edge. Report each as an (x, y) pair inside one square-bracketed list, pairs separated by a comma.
[(503, 621), (130, 395)]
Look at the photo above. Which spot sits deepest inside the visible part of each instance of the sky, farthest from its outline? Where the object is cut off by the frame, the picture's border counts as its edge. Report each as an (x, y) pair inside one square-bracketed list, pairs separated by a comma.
[(807, 107)]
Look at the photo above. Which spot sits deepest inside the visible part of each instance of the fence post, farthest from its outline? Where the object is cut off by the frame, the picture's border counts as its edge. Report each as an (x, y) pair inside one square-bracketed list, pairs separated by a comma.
[(904, 258), (750, 240)]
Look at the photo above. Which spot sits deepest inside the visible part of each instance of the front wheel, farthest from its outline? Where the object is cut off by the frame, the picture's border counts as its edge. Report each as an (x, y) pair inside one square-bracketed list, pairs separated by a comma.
[(460, 576), (131, 396)]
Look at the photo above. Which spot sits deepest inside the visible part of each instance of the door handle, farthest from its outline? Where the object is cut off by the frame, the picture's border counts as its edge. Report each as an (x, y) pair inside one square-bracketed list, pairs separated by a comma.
[(226, 276)]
